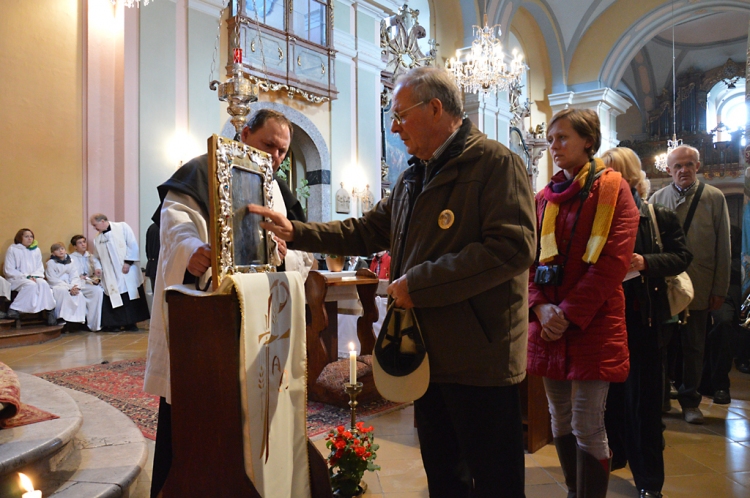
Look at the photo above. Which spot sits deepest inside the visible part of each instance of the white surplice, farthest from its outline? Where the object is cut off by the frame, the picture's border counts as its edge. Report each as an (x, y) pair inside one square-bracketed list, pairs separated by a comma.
[(182, 230), (33, 295), (86, 264), (62, 278), (114, 248), (4, 288)]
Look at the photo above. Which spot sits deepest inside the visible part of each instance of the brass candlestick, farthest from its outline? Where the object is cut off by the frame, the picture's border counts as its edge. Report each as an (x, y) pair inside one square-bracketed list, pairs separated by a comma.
[(353, 391)]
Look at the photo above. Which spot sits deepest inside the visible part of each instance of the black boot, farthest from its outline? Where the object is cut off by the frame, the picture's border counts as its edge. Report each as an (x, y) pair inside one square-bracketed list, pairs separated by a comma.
[(51, 317), (566, 451), (592, 475)]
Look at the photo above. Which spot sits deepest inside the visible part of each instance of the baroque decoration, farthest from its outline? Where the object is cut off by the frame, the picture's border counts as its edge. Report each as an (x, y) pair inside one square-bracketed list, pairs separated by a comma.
[(529, 144), (399, 35), (484, 67), (225, 151)]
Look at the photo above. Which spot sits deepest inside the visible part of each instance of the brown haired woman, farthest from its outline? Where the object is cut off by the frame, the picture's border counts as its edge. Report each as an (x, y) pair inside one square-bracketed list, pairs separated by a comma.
[(577, 339), (25, 271)]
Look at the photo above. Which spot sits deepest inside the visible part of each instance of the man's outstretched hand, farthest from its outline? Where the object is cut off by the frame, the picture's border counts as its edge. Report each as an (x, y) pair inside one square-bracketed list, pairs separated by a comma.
[(279, 224)]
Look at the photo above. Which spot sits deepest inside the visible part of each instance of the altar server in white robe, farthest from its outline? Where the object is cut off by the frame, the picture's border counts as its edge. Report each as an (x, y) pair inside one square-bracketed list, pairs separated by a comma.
[(25, 271), (62, 276), (117, 249), (185, 258), (90, 271), (4, 293)]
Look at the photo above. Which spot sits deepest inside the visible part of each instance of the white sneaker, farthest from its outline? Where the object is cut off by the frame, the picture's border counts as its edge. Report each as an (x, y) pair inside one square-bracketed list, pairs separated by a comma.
[(692, 415)]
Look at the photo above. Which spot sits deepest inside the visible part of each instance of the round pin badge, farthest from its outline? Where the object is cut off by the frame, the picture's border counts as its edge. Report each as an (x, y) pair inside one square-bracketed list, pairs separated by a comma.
[(446, 219)]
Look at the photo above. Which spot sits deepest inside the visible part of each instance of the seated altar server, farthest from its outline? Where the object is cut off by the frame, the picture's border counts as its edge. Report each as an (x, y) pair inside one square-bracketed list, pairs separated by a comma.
[(62, 276), (185, 256), (117, 249), (90, 271), (4, 293), (25, 272)]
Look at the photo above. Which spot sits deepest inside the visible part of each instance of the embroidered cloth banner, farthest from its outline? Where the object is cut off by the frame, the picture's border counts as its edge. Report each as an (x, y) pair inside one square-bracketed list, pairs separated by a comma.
[(273, 367)]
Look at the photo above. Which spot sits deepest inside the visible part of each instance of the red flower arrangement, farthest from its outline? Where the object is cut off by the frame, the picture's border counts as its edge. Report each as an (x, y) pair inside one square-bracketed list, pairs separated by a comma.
[(352, 453)]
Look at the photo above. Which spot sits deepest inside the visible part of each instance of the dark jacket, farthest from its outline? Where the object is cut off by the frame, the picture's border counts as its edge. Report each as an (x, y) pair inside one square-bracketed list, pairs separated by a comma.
[(646, 297), (595, 345), (468, 281)]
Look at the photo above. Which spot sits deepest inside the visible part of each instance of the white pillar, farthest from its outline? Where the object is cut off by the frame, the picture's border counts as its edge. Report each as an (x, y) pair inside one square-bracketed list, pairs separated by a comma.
[(607, 103)]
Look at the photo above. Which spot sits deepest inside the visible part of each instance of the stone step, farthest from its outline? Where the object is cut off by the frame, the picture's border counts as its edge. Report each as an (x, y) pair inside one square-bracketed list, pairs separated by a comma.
[(102, 460), (25, 336), (23, 448)]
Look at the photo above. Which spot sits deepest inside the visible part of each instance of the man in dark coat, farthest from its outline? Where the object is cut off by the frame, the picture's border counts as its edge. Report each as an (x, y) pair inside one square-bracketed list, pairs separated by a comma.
[(463, 267)]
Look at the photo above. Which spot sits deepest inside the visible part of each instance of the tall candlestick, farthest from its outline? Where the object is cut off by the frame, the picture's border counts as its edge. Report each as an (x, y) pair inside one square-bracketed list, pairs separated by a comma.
[(352, 364)]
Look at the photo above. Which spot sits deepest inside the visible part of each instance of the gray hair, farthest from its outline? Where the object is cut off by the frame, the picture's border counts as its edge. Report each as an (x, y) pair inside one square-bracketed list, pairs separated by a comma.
[(692, 149), (98, 217), (429, 83)]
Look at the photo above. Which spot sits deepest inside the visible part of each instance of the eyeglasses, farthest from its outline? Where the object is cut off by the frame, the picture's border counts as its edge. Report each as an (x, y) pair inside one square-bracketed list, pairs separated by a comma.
[(398, 116)]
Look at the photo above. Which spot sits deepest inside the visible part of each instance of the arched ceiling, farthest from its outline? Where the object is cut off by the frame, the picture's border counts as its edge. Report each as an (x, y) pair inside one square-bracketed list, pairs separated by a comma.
[(625, 44)]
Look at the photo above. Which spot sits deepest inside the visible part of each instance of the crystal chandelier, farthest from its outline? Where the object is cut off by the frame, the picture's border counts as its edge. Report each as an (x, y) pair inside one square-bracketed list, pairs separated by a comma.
[(485, 68), (132, 3), (660, 161)]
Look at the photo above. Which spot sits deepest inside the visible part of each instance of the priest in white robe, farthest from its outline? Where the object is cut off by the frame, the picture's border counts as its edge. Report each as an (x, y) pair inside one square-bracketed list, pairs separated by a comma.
[(25, 271), (185, 258), (90, 272), (62, 276), (117, 249)]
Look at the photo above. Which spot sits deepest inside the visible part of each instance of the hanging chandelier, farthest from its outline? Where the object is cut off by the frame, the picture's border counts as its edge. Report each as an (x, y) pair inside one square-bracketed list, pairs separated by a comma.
[(132, 3), (485, 67), (660, 161)]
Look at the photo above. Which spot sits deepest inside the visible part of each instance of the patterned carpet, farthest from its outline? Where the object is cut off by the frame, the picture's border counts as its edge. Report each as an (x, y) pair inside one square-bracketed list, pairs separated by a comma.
[(121, 385)]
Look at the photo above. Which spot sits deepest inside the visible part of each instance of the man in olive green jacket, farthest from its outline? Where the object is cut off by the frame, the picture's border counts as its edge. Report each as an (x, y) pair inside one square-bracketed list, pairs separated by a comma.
[(461, 231)]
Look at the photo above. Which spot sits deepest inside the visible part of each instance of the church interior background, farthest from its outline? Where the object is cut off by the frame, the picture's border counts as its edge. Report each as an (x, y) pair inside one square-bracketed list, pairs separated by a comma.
[(100, 103)]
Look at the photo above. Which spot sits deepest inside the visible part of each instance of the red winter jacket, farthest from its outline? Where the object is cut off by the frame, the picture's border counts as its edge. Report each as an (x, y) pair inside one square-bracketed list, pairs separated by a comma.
[(595, 345)]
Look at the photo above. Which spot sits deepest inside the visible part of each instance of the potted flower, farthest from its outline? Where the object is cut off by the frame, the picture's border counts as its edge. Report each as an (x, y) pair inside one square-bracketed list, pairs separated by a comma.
[(352, 452), (334, 263)]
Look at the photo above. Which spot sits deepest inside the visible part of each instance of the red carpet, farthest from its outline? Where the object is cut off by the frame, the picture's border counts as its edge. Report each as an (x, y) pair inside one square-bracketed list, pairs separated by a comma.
[(121, 385)]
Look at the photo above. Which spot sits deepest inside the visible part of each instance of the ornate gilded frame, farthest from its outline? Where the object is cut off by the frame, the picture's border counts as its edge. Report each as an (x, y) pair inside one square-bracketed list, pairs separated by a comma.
[(228, 159)]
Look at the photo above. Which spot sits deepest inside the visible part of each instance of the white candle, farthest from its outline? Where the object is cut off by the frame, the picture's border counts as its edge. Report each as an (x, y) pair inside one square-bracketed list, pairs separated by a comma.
[(352, 364), (29, 487)]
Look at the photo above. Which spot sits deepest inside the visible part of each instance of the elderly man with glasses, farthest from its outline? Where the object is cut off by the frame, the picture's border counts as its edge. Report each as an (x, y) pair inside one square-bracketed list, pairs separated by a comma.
[(461, 231)]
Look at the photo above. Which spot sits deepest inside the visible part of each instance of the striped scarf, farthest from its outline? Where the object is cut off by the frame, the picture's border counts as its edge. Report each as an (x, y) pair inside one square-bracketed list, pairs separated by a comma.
[(609, 187)]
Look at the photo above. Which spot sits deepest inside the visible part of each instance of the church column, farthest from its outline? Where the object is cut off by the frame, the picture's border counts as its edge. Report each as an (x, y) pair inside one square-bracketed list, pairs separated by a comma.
[(490, 113), (111, 114), (607, 104)]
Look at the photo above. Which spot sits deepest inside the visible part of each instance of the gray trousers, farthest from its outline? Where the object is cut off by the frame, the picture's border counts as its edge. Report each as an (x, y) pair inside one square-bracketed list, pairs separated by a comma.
[(693, 339)]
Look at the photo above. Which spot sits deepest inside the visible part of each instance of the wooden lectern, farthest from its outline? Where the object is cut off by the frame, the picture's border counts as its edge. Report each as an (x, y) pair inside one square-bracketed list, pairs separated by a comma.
[(206, 402)]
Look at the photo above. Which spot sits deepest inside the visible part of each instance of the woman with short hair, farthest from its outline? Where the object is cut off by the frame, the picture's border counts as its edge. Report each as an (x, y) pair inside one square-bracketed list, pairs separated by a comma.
[(586, 221), (25, 271)]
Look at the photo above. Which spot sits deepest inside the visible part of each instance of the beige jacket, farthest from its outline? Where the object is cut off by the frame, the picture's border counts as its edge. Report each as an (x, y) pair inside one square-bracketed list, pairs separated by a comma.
[(707, 239)]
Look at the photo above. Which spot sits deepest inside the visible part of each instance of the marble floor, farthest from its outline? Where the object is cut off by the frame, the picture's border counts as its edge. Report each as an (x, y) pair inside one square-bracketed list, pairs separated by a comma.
[(708, 460)]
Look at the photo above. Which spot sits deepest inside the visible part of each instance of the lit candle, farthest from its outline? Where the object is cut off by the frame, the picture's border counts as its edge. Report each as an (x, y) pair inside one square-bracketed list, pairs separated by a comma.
[(352, 364), (238, 56), (29, 487)]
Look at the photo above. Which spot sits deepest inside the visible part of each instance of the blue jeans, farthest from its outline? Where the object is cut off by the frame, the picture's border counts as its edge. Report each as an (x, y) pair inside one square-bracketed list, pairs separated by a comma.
[(577, 406)]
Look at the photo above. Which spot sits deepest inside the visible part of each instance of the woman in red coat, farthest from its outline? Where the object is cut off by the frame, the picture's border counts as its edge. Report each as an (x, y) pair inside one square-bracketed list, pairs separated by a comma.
[(587, 223)]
